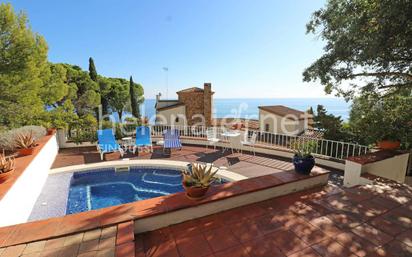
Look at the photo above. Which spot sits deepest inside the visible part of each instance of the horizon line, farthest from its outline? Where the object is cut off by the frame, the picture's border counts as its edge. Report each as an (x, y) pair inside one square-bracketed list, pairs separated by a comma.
[(263, 98)]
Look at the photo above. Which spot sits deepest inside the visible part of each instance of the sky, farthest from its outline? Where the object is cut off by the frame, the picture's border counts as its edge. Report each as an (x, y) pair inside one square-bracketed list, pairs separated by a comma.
[(245, 48)]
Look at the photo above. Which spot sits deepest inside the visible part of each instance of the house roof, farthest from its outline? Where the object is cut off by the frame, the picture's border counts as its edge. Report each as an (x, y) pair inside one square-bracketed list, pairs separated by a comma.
[(171, 101), (282, 110), (191, 89), (228, 122), (166, 103), (170, 106)]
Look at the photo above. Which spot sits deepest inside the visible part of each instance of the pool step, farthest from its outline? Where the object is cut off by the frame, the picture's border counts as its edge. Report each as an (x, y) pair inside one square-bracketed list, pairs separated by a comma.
[(122, 169)]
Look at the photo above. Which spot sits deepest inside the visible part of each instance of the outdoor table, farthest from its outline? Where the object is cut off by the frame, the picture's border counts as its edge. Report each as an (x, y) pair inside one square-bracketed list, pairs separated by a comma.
[(229, 134), (127, 143)]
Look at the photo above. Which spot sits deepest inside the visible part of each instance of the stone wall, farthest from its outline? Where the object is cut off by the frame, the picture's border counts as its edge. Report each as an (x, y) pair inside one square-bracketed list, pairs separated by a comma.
[(194, 105), (207, 103), (198, 103)]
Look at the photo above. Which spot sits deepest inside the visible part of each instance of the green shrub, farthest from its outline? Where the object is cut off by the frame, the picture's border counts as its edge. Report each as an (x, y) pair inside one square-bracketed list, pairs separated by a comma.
[(8, 138), (118, 131), (304, 147)]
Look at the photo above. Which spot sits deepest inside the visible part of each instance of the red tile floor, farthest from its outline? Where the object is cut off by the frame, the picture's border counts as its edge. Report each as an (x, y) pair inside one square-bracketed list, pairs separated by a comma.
[(246, 164), (374, 220), (102, 242), (367, 221)]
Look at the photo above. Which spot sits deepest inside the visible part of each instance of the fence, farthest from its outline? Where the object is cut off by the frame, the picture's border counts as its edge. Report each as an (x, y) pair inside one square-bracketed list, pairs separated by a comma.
[(322, 147)]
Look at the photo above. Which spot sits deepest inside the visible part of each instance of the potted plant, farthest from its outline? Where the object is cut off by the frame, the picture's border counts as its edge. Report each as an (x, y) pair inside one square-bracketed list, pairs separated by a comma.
[(389, 142), (303, 159), (7, 166), (51, 131), (25, 143), (384, 122), (197, 180), (145, 120)]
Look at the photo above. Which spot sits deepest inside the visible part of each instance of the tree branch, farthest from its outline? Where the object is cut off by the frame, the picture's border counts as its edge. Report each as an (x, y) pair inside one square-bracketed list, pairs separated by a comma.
[(381, 74), (396, 85)]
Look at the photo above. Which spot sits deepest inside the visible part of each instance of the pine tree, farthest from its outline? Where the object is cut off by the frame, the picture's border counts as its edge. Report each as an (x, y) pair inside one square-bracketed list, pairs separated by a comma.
[(24, 70), (133, 100), (118, 95)]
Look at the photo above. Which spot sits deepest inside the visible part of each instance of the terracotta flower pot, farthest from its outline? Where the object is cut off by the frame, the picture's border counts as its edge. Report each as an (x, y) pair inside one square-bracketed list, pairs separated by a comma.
[(26, 151), (51, 131), (389, 145), (195, 193), (5, 176)]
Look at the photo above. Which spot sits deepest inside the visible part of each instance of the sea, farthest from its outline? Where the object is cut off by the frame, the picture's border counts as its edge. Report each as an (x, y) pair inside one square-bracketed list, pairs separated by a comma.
[(248, 108)]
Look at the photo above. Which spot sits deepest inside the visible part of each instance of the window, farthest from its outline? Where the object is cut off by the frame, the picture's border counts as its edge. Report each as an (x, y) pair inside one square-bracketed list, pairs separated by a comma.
[(267, 127), (177, 119)]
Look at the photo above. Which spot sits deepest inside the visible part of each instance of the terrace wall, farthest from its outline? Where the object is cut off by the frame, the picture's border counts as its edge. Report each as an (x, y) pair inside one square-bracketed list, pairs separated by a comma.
[(393, 168), (389, 164), (32, 171)]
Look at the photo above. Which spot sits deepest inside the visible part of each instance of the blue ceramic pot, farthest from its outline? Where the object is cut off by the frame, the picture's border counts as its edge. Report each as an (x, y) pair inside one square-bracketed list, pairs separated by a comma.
[(303, 165)]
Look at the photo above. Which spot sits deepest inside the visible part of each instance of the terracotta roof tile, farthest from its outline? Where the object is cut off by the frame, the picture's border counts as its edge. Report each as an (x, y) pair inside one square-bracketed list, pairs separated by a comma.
[(170, 106), (282, 110), (191, 89)]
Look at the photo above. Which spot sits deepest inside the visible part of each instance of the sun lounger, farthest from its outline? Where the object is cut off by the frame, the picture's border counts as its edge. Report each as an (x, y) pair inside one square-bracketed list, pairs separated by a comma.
[(172, 139), (143, 138), (106, 143)]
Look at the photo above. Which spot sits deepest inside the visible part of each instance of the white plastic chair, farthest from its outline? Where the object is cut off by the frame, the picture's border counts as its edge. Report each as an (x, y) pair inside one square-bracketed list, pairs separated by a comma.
[(211, 138), (235, 143), (251, 142)]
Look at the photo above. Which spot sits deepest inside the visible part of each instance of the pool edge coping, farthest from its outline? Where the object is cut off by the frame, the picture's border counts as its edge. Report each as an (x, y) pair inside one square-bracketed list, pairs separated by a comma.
[(80, 222), (223, 172)]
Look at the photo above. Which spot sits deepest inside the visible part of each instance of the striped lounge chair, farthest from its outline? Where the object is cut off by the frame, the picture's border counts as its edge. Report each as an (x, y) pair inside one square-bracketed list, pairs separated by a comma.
[(171, 139)]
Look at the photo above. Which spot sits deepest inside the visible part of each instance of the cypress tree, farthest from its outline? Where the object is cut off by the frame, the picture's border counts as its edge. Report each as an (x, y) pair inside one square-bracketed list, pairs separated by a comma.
[(133, 101), (94, 77), (92, 70)]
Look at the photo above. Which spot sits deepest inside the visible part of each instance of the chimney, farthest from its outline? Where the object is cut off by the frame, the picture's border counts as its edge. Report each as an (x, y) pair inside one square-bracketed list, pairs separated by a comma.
[(158, 97), (207, 103)]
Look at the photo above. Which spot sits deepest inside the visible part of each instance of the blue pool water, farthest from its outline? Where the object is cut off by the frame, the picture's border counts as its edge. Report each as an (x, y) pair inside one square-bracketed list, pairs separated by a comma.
[(93, 190), (97, 189)]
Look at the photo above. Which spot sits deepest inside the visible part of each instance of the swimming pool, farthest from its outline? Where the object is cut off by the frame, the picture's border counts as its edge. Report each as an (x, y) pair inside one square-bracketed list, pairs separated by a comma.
[(91, 190)]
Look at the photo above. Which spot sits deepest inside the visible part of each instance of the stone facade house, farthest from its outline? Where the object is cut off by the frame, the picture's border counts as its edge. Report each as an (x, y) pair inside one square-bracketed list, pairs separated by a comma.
[(192, 107)]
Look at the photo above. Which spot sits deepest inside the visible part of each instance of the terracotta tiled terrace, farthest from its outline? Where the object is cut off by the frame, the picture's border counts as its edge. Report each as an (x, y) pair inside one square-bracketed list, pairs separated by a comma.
[(365, 221), (246, 163), (372, 220)]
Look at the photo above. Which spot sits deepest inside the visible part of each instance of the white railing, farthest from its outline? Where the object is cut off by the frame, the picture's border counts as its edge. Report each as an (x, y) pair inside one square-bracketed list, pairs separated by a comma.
[(323, 147)]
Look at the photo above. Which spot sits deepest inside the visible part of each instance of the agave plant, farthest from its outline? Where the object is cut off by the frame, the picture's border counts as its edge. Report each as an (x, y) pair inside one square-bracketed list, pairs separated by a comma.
[(6, 163), (304, 148), (8, 138), (25, 140), (199, 175)]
